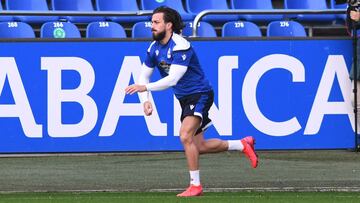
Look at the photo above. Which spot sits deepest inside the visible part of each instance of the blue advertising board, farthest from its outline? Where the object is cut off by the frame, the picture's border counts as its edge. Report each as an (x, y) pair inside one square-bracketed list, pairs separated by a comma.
[(69, 96)]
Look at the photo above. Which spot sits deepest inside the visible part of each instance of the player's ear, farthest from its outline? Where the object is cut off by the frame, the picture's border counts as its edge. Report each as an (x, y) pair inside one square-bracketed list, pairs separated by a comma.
[(169, 25)]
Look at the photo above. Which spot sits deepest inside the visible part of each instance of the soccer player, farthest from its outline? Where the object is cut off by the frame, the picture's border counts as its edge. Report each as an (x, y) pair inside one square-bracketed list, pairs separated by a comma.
[(179, 67)]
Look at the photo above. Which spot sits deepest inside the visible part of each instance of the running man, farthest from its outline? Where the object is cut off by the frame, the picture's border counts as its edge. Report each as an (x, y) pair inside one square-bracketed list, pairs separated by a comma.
[(179, 67)]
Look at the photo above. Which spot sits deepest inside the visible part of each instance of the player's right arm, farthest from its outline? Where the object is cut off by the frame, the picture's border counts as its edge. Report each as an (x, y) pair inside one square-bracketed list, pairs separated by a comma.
[(144, 79), (146, 71)]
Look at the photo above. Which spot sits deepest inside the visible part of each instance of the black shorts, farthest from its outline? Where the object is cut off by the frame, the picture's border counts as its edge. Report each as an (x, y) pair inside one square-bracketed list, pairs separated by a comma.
[(198, 104)]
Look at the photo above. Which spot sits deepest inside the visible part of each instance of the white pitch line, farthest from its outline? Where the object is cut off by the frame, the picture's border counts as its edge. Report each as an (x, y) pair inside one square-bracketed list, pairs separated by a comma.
[(245, 189), (270, 189)]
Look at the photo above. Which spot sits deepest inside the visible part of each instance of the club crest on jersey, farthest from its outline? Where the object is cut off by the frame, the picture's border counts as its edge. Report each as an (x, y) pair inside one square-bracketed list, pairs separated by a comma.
[(183, 57), (157, 52), (168, 54), (165, 66)]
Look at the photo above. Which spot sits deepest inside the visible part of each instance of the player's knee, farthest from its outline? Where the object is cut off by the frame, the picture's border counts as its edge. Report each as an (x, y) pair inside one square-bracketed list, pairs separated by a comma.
[(186, 138)]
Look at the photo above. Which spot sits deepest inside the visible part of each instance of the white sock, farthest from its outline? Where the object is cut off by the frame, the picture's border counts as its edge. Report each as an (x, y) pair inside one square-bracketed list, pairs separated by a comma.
[(195, 177), (235, 145)]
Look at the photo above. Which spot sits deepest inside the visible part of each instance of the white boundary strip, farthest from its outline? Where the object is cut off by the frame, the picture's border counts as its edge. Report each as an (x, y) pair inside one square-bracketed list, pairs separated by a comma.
[(271, 189), (245, 189)]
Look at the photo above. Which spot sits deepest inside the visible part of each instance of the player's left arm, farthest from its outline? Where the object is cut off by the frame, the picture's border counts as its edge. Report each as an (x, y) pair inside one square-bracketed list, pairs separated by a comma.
[(175, 74), (176, 71), (178, 68)]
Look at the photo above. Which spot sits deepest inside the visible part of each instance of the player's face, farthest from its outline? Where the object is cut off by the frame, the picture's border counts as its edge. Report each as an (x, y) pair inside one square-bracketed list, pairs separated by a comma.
[(158, 26)]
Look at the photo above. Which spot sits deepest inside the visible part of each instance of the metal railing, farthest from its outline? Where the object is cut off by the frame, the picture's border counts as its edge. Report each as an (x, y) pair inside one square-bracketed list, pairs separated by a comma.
[(74, 13), (200, 15), (197, 19)]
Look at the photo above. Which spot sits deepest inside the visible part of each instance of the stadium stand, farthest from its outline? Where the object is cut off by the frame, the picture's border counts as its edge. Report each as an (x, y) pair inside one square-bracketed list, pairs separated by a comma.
[(141, 30), (255, 4), (285, 29), (105, 29), (121, 5), (16, 30), (334, 5), (59, 30), (240, 29), (196, 6), (204, 29), (175, 4), (315, 27), (30, 5), (5, 18), (76, 5), (309, 4)]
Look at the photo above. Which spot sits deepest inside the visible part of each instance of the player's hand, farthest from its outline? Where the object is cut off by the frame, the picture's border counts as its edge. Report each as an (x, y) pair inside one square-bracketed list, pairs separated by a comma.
[(148, 108), (135, 88), (355, 15)]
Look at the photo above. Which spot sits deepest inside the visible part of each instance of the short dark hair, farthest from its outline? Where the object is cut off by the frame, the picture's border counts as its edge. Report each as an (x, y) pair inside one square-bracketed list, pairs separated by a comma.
[(172, 16)]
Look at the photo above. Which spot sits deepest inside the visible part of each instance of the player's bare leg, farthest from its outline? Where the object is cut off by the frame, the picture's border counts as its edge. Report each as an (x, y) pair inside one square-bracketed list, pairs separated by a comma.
[(189, 126), (210, 145), (245, 145)]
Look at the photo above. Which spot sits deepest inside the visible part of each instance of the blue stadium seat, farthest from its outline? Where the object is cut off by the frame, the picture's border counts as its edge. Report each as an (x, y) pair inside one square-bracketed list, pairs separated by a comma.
[(285, 29), (204, 30), (16, 30), (5, 18), (141, 30), (196, 6), (105, 29), (309, 4), (121, 5), (76, 5), (240, 29), (333, 4), (30, 5), (59, 30), (255, 4), (175, 4)]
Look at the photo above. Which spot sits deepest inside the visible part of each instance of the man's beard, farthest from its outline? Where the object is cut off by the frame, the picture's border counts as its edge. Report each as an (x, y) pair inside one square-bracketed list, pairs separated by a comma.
[(160, 36)]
